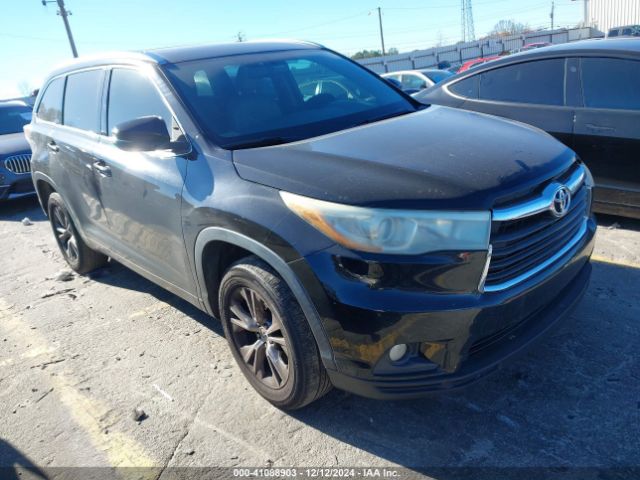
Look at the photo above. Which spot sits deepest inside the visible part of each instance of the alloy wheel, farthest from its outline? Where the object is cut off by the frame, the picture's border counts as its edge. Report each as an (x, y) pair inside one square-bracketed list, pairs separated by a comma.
[(259, 336), (65, 235)]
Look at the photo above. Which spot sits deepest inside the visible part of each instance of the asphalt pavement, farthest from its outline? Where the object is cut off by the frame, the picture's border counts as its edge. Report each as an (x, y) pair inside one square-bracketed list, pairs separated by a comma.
[(79, 355)]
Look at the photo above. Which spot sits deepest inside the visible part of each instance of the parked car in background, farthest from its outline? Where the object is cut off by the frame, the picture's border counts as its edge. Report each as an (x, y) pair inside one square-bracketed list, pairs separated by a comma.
[(626, 31), (476, 62), (530, 46), (370, 242), (413, 81), (15, 153), (586, 94)]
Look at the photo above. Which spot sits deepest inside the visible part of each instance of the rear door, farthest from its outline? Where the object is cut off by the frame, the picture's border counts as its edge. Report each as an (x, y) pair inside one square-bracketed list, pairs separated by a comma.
[(74, 145), (531, 92), (48, 115), (141, 191), (607, 127)]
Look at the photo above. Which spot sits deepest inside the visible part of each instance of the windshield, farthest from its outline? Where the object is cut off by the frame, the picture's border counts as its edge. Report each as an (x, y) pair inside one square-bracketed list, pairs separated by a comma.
[(263, 99), (437, 75), (12, 119)]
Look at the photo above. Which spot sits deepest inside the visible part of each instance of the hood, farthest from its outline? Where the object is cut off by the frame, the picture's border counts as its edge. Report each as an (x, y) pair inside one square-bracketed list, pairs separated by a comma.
[(434, 158), (13, 143)]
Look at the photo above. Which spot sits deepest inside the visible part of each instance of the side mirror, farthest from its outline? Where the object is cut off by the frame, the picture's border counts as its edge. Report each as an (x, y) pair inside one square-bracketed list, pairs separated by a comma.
[(144, 134)]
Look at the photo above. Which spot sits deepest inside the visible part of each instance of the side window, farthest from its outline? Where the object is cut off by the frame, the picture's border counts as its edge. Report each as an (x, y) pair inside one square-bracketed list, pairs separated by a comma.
[(413, 82), (50, 108), (132, 95), (539, 82), (611, 83), (82, 100), (467, 88)]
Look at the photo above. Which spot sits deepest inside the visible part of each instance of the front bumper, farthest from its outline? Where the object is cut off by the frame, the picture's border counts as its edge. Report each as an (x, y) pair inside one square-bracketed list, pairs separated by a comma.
[(454, 339), (15, 186)]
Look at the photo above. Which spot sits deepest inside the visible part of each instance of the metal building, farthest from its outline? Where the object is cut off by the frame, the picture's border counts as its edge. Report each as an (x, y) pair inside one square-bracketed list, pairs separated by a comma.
[(606, 14)]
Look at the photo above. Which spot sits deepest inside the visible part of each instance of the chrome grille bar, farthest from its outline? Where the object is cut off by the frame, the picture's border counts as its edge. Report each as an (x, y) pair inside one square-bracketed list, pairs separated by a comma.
[(541, 266), (18, 164), (541, 203)]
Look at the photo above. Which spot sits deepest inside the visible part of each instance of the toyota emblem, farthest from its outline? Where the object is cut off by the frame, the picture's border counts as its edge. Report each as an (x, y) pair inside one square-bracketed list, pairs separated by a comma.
[(561, 202)]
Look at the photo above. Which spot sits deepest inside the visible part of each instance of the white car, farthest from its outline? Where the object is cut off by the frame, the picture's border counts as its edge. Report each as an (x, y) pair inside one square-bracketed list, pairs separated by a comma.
[(412, 81)]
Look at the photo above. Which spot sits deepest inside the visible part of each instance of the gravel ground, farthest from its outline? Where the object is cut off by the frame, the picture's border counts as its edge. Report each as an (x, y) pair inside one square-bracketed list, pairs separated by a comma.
[(77, 357)]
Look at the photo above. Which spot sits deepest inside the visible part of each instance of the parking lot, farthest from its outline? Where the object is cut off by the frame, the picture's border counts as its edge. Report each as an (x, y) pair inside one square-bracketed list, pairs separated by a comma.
[(78, 356)]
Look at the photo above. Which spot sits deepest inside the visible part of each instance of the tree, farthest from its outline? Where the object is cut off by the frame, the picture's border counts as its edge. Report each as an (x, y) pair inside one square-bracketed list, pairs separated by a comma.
[(25, 88), (509, 27), (241, 37), (366, 54), (373, 53)]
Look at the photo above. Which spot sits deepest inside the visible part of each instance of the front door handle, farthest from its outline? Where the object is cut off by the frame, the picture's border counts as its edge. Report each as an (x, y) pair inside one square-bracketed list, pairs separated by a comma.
[(598, 128), (102, 168), (52, 146)]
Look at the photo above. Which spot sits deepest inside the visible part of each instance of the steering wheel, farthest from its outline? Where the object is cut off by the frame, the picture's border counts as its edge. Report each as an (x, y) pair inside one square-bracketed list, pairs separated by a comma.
[(320, 100)]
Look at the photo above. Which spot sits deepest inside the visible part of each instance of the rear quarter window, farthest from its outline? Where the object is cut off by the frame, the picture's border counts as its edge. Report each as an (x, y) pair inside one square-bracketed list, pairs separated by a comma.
[(50, 107), (467, 88)]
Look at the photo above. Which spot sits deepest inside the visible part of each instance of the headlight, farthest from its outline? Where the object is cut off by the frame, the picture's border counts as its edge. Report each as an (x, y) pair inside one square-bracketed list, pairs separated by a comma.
[(403, 232)]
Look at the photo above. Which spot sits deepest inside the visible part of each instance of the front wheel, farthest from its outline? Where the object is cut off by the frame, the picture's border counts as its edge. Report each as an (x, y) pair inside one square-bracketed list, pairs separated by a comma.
[(78, 255), (269, 335)]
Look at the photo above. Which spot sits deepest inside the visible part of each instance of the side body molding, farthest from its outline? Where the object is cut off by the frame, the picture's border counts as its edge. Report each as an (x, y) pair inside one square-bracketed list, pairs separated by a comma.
[(279, 265)]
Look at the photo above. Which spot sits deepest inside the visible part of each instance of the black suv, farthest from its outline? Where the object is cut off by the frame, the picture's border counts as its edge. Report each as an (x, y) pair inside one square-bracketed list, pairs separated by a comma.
[(352, 237)]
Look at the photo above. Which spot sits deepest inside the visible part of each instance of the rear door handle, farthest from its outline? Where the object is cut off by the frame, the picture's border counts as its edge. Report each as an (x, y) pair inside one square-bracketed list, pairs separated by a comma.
[(53, 146), (102, 168), (598, 128)]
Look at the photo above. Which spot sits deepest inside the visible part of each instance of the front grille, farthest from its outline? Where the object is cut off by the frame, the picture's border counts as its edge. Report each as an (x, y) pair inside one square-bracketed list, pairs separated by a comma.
[(18, 163), (521, 245)]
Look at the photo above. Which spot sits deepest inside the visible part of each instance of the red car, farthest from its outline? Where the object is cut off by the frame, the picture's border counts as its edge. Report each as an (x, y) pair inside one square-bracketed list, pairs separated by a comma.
[(533, 46), (475, 62)]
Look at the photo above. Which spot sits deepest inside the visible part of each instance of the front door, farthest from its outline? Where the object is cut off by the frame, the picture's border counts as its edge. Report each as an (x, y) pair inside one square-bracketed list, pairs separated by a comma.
[(141, 192)]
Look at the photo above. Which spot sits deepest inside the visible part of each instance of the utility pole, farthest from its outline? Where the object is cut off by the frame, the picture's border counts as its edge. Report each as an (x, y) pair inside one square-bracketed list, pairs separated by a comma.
[(381, 33), (552, 12), (586, 13), (64, 13)]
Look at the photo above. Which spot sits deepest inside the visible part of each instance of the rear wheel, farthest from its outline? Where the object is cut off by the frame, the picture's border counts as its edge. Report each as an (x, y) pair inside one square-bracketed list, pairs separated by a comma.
[(78, 255), (269, 335)]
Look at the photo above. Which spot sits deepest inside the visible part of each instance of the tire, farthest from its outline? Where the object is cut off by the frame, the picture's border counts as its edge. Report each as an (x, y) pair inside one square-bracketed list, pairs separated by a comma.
[(265, 328), (78, 255)]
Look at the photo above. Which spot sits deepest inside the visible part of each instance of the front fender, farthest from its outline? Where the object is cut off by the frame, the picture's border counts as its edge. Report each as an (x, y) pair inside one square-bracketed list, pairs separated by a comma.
[(211, 234)]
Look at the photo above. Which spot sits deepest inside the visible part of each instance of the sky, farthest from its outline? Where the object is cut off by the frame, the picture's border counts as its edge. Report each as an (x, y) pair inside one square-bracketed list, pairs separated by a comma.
[(33, 38)]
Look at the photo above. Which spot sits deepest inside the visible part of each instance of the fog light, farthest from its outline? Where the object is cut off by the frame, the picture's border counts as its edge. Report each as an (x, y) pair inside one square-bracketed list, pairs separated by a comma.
[(397, 352), (1, 179)]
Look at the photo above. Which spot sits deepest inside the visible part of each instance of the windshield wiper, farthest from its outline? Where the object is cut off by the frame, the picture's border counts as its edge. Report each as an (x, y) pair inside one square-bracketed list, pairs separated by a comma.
[(261, 142)]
